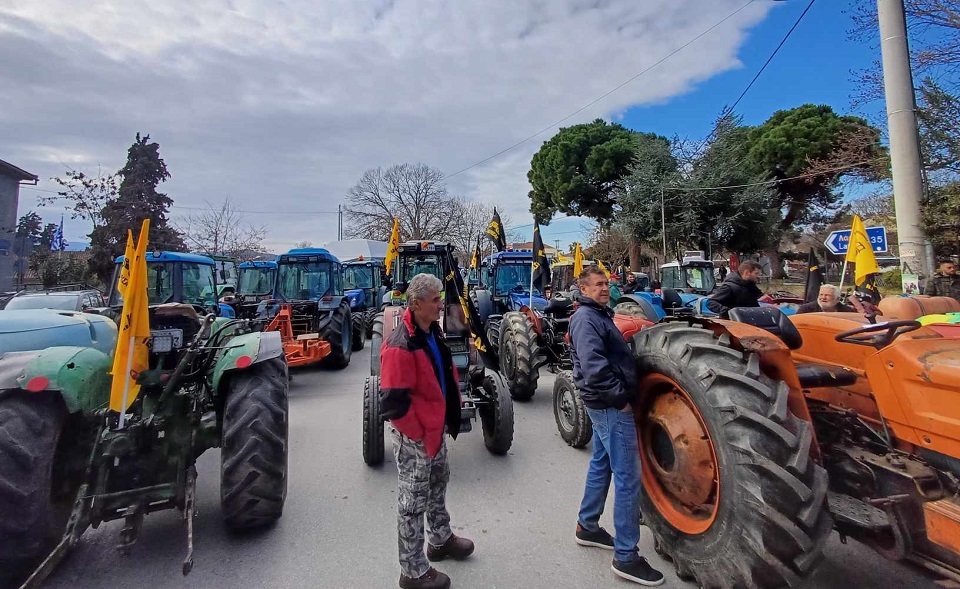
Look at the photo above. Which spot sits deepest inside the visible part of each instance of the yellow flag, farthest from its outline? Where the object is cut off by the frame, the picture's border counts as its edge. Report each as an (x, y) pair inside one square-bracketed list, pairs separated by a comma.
[(132, 356), (562, 259), (393, 247), (860, 252), (577, 261), (604, 268), (124, 279)]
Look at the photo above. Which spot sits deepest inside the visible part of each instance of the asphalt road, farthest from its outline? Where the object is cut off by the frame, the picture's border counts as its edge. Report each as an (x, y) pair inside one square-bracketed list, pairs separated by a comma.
[(338, 528)]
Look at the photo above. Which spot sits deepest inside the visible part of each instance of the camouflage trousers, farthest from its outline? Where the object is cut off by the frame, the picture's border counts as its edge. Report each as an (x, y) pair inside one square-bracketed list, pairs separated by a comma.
[(422, 490)]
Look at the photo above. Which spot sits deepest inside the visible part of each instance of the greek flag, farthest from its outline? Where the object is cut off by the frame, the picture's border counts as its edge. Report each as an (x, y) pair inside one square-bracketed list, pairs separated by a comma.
[(58, 243)]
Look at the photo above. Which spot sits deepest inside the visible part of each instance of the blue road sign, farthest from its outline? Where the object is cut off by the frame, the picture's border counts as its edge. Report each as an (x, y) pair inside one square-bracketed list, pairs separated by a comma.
[(839, 241)]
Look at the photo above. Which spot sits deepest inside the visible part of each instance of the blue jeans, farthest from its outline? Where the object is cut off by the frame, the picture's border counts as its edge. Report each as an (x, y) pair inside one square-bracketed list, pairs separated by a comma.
[(616, 455)]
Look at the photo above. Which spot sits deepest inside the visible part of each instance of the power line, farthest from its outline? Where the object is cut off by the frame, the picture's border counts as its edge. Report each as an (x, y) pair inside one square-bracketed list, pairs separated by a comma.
[(605, 94), (772, 55)]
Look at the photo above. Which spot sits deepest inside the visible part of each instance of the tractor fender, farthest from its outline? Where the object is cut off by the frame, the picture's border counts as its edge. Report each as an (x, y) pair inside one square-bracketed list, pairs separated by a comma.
[(80, 374), (774, 357), (652, 309), (258, 347)]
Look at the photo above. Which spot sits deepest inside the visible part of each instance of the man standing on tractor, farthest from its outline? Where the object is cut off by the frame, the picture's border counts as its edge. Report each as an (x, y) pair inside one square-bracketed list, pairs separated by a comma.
[(605, 373), (945, 283), (630, 286), (828, 301), (738, 290), (420, 396)]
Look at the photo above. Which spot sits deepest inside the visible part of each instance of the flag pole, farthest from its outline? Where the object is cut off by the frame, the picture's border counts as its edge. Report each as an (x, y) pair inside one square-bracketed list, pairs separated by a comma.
[(126, 382), (843, 275), (531, 281)]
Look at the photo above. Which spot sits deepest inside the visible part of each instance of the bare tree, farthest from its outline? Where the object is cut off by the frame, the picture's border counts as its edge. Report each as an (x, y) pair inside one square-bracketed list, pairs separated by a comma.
[(612, 246), (86, 196), (414, 193), (302, 244), (222, 230)]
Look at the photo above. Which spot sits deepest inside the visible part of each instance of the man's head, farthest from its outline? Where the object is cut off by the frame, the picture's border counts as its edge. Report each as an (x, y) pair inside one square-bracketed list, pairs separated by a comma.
[(749, 270), (631, 278), (829, 297), (423, 298), (594, 284), (948, 268)]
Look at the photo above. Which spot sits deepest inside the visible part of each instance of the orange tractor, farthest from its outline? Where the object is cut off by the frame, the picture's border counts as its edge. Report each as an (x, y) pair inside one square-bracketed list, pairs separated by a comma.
[(762, 434)]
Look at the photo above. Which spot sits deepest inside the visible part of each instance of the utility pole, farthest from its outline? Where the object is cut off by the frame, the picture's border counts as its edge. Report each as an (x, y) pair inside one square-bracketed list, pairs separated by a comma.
[(916, 253), (663, 225), (339, 223)]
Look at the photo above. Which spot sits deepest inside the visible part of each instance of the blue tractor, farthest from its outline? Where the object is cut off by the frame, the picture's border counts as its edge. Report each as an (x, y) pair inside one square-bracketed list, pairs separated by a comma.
[(363, 283), (525, 331), (310, 283), (255, 284), (175, 277)]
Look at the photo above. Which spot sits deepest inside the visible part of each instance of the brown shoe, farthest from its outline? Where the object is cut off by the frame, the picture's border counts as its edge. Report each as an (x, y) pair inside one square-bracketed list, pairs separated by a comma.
[(455, 547), (432, 579)]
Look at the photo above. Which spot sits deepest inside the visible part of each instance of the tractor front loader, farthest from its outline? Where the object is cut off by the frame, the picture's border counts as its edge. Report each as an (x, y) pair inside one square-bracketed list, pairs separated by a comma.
[(68, 462)]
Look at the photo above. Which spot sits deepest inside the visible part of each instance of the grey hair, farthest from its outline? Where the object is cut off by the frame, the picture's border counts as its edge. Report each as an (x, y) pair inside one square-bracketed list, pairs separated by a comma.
[(421, 285), (833, 288)]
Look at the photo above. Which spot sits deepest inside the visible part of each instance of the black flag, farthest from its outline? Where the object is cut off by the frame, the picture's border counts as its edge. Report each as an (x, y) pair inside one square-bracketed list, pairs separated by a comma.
[(541, 265), (475, 260), (814, 278), (495, 232), (454, 288)]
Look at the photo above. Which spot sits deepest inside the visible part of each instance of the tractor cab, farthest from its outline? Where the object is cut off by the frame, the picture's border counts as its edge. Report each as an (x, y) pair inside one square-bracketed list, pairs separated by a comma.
[(692, 276), (416, 257), (175, 277), (365, 276), (309, 274), (509, 282), (227, 274), (257, 280)]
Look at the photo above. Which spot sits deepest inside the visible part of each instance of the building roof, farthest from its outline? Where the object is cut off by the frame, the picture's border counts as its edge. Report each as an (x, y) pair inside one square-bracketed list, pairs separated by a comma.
[(351, 249), (18, 174)]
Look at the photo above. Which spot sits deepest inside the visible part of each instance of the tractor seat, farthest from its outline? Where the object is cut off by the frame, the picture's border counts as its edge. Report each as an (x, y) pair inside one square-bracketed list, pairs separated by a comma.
[(671, 298), (770, 319), (559, 306)]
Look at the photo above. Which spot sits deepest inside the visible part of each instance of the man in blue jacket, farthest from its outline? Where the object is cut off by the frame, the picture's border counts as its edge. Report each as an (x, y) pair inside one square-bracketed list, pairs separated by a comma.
[(605, 374)]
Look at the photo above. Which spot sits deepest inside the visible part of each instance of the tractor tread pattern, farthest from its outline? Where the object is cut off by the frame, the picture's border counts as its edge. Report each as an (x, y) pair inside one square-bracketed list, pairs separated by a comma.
[(771, 529), (376, 341), (30, 426), (359, 337), (516, 327), (582, 431), (372, 422), (253, 468), (496, 416), (340, 324)]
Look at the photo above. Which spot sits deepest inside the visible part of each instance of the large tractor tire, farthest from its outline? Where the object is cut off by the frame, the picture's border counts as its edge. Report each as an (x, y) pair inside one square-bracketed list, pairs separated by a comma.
[(372, 423), (358, 338), (253, 455), (571, 416), (368, 317), (376, 341), (518, 355), (339, 332), (730, 490), (32, 519), (496, 416)]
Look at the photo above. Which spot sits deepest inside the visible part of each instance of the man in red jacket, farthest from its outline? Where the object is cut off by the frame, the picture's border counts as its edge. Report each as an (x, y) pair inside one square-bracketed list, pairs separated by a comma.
[(420, 396)]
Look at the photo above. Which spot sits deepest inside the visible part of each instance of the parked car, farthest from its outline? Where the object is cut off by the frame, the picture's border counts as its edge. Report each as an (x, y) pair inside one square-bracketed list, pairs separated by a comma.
[(64, 300)]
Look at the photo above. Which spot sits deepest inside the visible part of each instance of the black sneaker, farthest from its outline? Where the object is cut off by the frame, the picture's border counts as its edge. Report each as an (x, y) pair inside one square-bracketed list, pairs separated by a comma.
[(638, 571), (599, 539)]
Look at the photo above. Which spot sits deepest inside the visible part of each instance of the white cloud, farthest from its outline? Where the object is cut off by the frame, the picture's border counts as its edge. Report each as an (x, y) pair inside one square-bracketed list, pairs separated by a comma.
[(282, 105)]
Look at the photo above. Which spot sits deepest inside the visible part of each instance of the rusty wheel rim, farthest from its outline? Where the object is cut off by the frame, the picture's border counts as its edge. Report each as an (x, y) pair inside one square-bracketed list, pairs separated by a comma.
[(678, 460)]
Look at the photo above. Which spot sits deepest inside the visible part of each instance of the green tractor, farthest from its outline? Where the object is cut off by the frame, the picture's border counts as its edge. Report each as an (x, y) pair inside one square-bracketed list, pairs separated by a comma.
[(67, 462)]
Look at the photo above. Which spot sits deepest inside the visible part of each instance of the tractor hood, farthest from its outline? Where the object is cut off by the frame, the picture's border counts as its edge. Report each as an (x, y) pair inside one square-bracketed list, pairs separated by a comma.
[(38, 329), (519, 299)]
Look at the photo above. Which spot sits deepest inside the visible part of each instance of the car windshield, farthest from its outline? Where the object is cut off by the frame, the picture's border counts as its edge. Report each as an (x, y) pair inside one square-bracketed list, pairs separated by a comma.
[(303, 281), (257, 281), (59, 301), (357, 276), (513, 277), (410, 266)]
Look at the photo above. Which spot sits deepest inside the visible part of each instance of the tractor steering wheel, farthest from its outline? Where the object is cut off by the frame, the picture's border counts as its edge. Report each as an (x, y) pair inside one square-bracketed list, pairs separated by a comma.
[(869, 335)]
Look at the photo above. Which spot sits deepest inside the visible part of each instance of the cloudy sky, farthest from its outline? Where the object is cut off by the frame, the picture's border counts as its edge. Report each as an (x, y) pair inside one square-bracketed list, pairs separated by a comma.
[(282, 105)]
